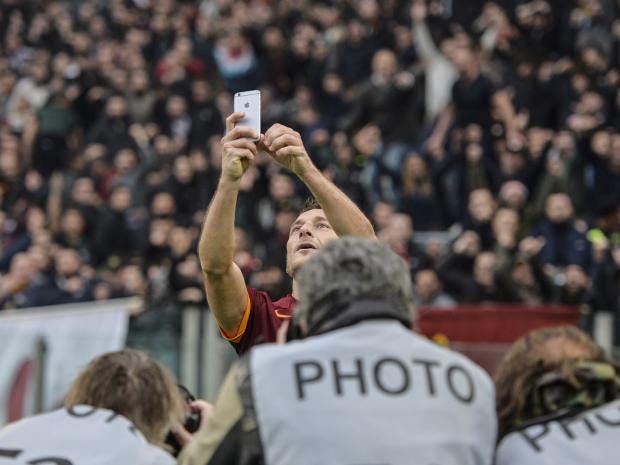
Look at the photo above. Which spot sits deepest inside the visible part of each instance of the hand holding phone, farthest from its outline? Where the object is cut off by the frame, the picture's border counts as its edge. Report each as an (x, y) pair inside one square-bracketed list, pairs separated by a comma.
[(249, 103), (238, 148)]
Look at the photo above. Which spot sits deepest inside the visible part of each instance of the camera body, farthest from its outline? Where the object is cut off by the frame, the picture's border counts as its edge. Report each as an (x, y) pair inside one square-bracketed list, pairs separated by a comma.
[(191, 423)]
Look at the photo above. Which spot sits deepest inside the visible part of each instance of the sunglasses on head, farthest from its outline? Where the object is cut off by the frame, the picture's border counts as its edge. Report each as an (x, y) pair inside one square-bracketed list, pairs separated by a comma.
[(573, 387)]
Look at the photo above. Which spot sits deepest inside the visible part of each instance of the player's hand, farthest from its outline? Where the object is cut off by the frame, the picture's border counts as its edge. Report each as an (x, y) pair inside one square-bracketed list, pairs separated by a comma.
[(238, 148), (285, 146)]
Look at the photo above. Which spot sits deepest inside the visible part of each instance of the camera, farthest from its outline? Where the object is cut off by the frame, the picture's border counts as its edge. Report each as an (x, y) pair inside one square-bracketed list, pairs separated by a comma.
[(191, 423)]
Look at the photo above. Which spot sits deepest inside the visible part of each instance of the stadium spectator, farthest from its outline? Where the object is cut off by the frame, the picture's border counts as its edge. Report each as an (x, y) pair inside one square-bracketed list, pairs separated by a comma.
[(481, 208), (474, 99), (398, 234), (469, 274), (71, 282), (418, 196), (427, 291), (565, 244), (390, 99), (440, 72), (112, 128), (113, 237), (29, 94), (355, 350), (604, 237), (17, 281), (556, 394), (522, 275), (119, 410)]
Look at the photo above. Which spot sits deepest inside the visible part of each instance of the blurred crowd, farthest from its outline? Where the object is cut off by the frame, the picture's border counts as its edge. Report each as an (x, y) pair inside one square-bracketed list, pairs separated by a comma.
[(481, 137)]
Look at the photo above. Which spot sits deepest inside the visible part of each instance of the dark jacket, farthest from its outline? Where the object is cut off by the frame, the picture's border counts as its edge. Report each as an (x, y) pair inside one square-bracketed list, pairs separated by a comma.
[(564, 244)]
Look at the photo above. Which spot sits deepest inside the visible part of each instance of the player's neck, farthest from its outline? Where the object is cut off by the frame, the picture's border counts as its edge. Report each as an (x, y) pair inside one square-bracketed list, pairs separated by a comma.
[(295, 290)]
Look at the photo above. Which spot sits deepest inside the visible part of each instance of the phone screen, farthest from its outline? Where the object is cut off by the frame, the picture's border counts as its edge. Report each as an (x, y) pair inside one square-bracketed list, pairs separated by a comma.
[(249, 103)]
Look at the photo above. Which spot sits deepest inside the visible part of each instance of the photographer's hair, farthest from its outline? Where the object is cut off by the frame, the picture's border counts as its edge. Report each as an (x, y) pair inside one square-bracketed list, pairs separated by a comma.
[(134, 385), (533, 354), (350, 269)]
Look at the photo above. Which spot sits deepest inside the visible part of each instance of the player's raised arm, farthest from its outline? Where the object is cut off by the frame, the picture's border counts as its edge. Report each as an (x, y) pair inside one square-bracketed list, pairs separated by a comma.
[(286, 147), (226, 291)]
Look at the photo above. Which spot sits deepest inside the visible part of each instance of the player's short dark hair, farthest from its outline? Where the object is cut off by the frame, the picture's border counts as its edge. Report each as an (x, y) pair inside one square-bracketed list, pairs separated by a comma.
[(311, 204)]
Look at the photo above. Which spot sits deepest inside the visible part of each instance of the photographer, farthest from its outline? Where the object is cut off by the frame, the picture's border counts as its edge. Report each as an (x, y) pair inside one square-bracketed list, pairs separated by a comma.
[(118, 411), (557, 401)]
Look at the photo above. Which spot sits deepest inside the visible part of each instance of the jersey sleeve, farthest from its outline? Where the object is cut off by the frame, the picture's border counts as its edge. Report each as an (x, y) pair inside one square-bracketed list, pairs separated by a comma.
[(237, 335), (259, 323)]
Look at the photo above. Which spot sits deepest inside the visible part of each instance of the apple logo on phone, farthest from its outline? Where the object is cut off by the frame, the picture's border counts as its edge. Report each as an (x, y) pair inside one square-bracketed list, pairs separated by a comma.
[(247, 105)]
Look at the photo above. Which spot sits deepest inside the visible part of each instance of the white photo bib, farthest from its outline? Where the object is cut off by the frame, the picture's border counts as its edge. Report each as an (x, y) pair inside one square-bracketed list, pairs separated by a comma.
[(82, 435), (591, 438), (371, 394)]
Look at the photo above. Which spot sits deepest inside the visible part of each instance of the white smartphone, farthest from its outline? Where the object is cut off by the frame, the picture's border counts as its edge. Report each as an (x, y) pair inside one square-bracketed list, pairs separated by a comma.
[(249, 103)]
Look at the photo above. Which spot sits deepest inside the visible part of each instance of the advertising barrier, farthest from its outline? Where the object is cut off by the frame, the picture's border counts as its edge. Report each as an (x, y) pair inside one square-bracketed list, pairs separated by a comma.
[(484, 332), (43, 349)]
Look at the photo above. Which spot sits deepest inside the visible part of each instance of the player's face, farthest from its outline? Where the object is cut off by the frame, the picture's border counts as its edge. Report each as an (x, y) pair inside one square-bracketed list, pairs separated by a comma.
[(309, 233)]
